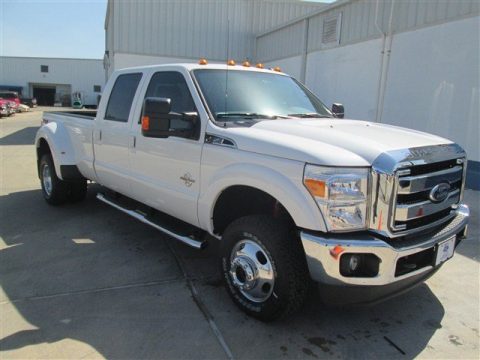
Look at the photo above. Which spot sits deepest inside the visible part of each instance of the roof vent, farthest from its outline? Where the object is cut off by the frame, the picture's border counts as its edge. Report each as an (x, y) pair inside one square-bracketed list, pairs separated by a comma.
[(331, 29)]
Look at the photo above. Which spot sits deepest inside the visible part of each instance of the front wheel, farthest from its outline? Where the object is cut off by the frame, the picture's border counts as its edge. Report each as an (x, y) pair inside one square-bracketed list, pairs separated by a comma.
[(264, 267)]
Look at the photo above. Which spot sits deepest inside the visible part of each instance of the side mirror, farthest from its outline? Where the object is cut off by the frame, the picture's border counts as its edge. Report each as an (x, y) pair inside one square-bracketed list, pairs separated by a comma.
[(159, 122), (338, 110)]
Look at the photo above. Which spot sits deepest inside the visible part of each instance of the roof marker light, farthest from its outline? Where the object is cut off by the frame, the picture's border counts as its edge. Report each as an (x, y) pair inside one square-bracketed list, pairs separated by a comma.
[(246, 63), (277, 69), (203, 61), (231, 62), (260, 66)]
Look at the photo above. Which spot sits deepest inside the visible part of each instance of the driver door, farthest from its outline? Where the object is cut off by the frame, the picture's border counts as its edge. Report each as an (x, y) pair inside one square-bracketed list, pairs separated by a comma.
[(167, 170)]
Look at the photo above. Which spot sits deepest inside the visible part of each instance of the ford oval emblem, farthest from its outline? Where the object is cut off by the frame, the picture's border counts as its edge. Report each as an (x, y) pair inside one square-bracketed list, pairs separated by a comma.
[(440, 192)]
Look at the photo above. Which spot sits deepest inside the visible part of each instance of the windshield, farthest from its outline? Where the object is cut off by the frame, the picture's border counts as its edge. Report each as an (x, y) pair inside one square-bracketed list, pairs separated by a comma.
[(8, 95), (256, 95)]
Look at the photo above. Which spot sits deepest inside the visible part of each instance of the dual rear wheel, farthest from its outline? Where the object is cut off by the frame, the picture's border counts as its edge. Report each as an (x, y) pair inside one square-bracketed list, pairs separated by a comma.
[(57, 191)]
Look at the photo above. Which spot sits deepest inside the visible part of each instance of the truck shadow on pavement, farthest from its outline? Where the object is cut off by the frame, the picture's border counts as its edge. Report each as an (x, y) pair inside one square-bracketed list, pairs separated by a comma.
[(89, 273), (25, 136)]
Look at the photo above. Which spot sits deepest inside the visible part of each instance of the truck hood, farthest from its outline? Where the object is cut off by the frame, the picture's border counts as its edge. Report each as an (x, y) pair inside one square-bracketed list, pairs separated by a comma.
[(328, 141)]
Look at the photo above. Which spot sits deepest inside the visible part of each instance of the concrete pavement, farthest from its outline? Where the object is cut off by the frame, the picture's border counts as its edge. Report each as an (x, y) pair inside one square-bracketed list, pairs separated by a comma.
[(86, 281)]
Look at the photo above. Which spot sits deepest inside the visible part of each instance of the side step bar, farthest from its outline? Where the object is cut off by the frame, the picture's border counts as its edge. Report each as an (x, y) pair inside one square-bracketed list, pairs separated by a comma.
[(197, 244)]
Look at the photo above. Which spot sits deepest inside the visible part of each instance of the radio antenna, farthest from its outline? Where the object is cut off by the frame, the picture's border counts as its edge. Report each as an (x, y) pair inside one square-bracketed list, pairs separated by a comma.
[(228, 55)]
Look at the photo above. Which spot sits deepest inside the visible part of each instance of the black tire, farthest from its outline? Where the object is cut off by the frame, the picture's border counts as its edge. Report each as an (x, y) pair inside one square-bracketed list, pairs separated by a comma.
[(286, 256), (78, 191), (57, 193)]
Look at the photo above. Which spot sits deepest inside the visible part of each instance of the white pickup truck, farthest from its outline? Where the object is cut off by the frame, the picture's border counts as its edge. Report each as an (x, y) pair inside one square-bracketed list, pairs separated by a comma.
[(251, 158)]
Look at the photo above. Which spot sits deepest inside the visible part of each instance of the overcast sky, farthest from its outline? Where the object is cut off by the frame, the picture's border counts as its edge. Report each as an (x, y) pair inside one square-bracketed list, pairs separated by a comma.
[(53, 28)]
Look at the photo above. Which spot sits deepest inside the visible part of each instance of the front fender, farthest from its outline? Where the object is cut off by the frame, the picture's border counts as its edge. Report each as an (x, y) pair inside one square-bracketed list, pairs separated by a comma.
[(292, 195), (61, 148)]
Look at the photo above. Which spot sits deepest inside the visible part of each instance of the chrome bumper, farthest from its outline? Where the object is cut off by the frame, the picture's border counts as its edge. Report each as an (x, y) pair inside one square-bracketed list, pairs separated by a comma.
[(325, 268)]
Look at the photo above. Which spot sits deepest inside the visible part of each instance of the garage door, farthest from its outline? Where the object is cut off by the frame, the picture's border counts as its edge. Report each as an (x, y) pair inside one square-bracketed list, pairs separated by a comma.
[(45, 96)]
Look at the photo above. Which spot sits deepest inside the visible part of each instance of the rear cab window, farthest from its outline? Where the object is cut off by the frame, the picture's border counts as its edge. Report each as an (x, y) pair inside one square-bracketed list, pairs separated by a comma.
[(121, 97)]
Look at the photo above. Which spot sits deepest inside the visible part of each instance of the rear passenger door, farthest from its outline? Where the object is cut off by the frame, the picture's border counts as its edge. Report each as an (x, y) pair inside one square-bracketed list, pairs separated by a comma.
[(112, 140)]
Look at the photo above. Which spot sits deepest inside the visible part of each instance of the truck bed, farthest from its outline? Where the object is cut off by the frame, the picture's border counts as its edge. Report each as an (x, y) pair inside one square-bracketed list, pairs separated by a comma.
[(75, 129), (85, 114)]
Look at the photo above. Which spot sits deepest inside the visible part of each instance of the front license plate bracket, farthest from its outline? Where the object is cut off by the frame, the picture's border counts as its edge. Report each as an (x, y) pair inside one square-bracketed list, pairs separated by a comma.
[(445, 250)]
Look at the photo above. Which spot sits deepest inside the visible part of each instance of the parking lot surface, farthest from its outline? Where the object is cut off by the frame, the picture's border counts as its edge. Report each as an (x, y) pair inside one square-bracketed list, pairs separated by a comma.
[(87, 281)]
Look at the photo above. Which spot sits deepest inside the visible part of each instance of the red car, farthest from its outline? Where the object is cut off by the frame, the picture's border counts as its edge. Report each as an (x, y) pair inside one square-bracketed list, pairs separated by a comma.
[(6, 107), (11, 96)]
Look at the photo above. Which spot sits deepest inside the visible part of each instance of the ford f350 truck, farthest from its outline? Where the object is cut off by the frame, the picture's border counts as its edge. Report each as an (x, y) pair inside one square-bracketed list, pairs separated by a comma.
[(250, 157)]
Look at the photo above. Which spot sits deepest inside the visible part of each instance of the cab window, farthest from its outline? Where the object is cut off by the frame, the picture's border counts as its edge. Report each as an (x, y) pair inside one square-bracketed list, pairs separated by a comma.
[(121, 97)]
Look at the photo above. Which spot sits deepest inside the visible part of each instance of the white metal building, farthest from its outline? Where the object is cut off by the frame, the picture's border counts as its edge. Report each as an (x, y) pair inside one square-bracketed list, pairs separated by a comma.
[(410, 63), (52, 80), (147, 32)]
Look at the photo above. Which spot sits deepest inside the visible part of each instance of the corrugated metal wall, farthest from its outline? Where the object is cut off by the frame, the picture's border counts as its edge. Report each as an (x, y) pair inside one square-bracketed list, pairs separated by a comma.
[(268, 14), (359, 20), (290, 38), (192, 29), (412, 14)]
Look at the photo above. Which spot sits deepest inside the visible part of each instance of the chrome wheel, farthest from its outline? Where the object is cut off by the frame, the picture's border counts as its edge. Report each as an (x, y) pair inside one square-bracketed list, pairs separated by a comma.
[(47, 179), (251, 271)]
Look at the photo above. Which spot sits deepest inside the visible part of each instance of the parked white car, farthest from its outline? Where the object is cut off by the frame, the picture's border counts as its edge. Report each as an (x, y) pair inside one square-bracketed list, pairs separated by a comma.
[(23, 108), (251, 158)]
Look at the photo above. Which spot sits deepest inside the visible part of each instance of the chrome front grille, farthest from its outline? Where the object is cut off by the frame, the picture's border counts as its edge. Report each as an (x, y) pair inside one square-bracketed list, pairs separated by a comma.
[(415, 206), (415, 189)]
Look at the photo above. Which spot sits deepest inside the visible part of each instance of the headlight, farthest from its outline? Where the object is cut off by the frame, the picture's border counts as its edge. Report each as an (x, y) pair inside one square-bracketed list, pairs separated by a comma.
[(341, 194)]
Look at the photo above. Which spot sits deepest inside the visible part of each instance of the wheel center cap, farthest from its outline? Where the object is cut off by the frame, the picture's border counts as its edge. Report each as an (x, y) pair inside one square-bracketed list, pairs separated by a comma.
[(244, 273)]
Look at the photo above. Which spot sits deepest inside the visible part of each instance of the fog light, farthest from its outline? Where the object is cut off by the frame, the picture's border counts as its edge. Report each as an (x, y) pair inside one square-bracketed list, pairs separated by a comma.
[(350, 263), (359, 265), (354, 262)]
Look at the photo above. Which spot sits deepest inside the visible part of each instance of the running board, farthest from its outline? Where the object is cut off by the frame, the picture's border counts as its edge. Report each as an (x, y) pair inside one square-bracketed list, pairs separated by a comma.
[(197, 244)]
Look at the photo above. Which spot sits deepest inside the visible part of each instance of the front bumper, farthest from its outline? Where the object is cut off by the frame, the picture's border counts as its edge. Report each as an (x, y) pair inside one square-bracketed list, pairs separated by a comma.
[(325, 267)]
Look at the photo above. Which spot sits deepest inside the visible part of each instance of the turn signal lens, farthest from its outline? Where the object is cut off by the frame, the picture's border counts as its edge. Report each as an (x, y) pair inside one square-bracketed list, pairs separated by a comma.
[(315, 187), (203, 61), (231, 62), (246, 63), (277, 69), (336, 251), (260, 66), (145, 123)]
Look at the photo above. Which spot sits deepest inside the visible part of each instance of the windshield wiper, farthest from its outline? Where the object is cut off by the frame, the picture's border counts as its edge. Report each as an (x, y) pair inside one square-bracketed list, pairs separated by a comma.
[(247, 115), (310, 115)]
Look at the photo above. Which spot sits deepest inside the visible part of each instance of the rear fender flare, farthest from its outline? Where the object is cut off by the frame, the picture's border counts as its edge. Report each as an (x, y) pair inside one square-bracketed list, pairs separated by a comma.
[(58, 140)]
